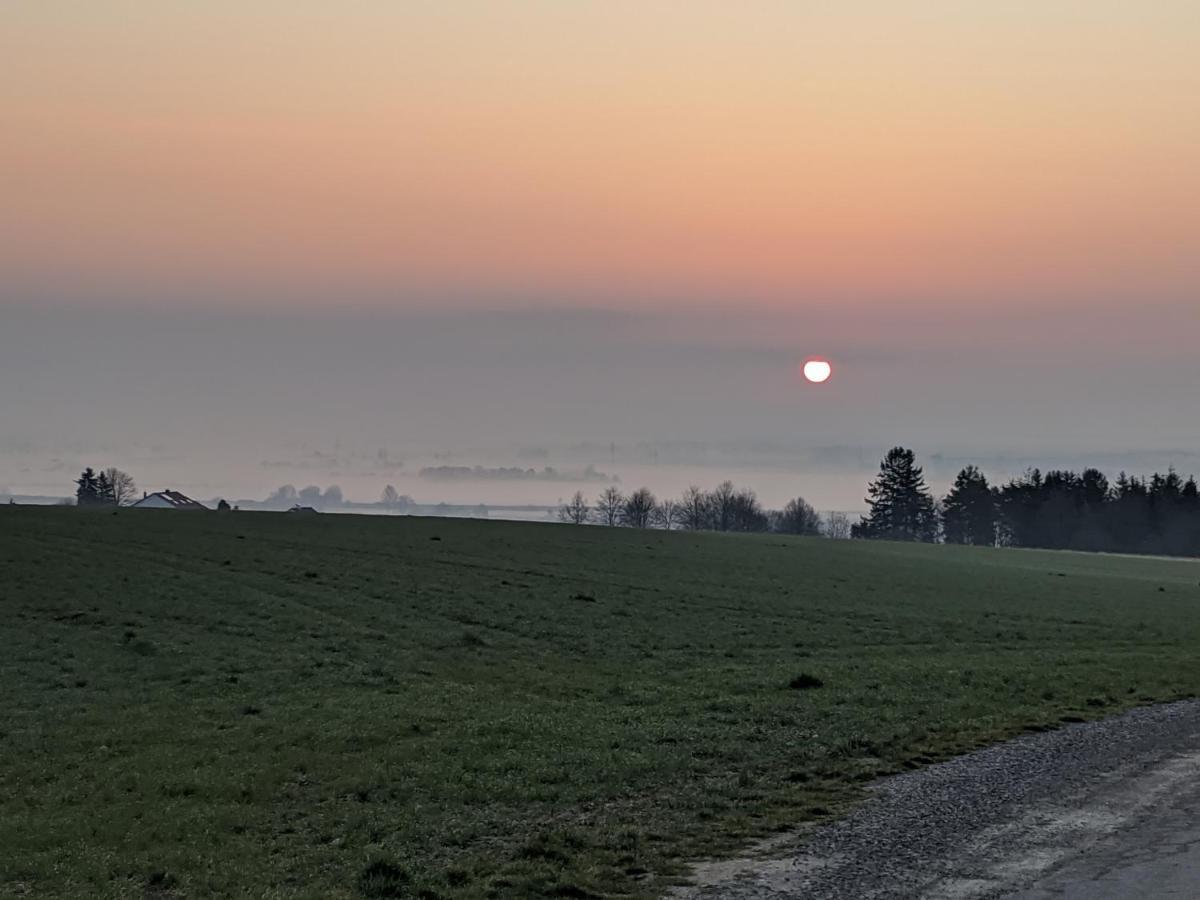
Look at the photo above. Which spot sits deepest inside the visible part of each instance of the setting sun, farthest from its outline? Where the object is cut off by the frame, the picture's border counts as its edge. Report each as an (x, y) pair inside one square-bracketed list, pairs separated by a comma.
[(817, 370)]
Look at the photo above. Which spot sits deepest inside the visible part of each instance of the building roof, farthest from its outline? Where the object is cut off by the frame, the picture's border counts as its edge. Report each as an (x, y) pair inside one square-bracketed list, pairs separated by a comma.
[(173, 499)]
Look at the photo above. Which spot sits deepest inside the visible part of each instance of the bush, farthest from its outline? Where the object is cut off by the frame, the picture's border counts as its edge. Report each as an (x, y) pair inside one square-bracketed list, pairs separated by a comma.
[(804, 682)]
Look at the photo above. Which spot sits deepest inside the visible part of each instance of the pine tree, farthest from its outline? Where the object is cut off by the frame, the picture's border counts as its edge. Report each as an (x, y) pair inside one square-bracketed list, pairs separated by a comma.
[(901, 507), (104, 490), (1190, 494), (86, 488), (969, 510)]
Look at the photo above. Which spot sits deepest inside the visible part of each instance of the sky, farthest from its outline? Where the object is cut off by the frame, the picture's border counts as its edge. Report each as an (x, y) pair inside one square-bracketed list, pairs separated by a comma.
[(253, 231)]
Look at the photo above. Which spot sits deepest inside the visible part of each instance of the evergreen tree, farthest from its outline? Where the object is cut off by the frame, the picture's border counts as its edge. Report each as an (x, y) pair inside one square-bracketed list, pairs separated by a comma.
[(86, 489), (1160, 514), (1095, 487), (104, 490), (1190, 495), (969, 510), (901, 507), (1019, 501)]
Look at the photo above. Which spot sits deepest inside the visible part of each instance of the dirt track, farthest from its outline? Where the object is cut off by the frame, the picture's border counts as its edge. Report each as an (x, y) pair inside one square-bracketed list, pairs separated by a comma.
[(1096, 810)]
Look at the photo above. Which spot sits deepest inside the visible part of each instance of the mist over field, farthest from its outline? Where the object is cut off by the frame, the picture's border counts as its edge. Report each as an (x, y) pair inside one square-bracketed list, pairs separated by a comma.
[(445, 406)]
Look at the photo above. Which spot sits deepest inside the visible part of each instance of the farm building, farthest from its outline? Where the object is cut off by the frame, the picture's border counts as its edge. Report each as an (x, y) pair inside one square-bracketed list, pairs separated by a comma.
[(167, 499)]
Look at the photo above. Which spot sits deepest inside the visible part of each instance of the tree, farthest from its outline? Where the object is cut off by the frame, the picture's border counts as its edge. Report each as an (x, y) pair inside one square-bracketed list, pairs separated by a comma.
[(609, 506), (837, 526), (693, 509), (798, 517), (969, 510), (746, 513), (1190, 495), (104, 490), (332, 498), (638, 509), (223, 505), (86, 488), (390, 496), (575, 511), (1018, 502), (666, 514), (721, 505), (121, 485), (901, 507)]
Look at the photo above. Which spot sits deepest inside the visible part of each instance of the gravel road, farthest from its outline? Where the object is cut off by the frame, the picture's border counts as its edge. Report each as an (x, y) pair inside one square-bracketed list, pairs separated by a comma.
[(1093, 810)]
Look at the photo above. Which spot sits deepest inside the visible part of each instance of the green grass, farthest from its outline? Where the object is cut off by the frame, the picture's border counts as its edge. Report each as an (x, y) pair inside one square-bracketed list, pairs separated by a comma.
[(246, 704)]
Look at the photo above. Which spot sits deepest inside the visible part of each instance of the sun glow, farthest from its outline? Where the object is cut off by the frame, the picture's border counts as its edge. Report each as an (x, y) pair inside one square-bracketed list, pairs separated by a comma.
[(817, 370)]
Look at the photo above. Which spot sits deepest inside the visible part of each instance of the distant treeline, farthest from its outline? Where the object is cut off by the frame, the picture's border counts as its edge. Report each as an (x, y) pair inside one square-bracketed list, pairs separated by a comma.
[(1056, 510), (725, 508)]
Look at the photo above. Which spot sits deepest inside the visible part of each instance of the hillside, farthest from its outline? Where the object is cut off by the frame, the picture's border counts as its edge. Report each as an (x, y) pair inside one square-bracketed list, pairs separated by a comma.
[(254, 704)]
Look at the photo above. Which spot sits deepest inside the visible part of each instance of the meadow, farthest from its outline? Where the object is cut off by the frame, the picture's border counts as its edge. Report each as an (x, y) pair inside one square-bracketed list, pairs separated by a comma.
[(266, 705)]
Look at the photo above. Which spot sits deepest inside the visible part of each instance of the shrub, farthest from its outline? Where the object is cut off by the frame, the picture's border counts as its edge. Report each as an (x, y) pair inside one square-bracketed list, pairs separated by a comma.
[(805, 681), (382, 878)]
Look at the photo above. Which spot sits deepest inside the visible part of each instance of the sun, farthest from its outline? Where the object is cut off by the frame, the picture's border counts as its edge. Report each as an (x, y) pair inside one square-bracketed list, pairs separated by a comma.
[(817, 370)]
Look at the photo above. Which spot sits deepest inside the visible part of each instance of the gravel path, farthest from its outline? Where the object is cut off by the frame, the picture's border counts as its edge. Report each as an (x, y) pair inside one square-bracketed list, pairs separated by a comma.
[(1099, 809)]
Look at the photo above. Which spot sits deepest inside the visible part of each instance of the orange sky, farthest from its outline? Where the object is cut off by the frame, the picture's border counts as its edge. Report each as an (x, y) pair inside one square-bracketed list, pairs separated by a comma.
[(576, 153)]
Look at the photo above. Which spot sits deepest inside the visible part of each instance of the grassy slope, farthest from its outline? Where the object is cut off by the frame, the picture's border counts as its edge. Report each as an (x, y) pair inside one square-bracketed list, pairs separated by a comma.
[(336, 706)]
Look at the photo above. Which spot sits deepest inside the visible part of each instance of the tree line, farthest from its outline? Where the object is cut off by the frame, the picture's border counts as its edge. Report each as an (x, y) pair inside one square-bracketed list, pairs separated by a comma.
[(724, 508), (108, 487), (287, 496), (1058, 509)]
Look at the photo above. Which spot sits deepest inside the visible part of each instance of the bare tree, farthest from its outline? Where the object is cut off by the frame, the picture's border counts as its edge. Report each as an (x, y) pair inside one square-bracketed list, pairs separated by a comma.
[(609, 506), (746, 513), (121, 486), (666, 514), (798, 517), (575, 511), (693, 509), (837, 525), (721, 503), (639, 507)]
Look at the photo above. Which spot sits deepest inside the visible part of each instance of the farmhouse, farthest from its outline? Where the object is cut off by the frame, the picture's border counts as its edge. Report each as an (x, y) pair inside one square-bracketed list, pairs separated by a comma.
[(167, 499)]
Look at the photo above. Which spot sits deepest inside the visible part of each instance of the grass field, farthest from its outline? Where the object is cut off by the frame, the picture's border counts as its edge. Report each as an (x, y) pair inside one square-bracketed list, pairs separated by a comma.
[(252, 704)]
